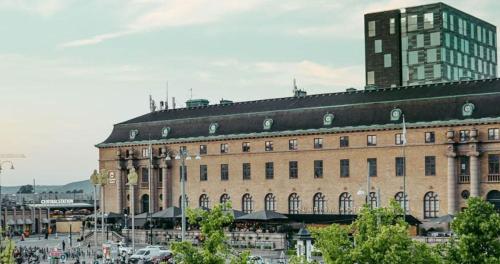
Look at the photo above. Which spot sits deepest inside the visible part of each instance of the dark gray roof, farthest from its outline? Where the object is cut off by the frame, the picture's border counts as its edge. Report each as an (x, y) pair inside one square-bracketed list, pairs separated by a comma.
[(427, 103)]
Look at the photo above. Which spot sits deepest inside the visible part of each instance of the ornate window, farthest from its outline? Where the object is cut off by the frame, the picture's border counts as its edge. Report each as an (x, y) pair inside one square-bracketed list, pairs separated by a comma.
[(345, 204), (319, 203), (328, 119), (468, 109), (402, 200), (204, 203), (396, 114), (270, 202), (165, 132), (373, 200), (431, 205), (267, 124), (212, 129), (180, 201), (224, 199), (293, 204), (247, 203), (133, 133)]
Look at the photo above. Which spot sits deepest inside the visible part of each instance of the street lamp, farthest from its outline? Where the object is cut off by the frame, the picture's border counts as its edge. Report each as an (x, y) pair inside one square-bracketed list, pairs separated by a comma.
[(94, 180), (132, 181), (183, 155), (1, 200)]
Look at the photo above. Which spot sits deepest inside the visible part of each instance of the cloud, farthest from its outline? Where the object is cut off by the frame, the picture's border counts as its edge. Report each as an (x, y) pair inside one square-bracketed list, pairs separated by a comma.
[(44, 7), (174, 13)]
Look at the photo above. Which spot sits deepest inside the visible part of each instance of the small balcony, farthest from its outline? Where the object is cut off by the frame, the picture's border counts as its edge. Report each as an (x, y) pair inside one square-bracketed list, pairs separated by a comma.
[(463, 178), (493, 177)]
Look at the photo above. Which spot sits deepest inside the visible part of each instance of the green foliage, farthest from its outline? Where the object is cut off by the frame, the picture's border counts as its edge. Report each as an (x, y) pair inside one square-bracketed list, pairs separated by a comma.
[(477, 232), (300, 260), (26, 189), (7, 247), (377, 236), (214, 248)]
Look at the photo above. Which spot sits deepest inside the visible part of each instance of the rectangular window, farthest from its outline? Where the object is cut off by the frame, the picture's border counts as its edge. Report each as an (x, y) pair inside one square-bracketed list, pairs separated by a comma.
[(370, 78), (371, 29), (224, 148), (269, 146), (412, 23), (245, 147), (318, 169), (182, 149), (430, 165), (372, 167), (203, 172), (400, 166), (371, 140), (344, 168), (387, 60), (145, 152), (431, 55), (435, 38), (447, 41), (452, 23), (293, 169), (420, 40), (428, 20), (269, 170), (493, 134), (463, 166), (224, 172), (464, 135), (378, 46), (430, 137), (404, 43), (403, 25), (293, 144), (421, 72), (398, 139), (413, 57), (246, 171), (160, 175), (493, 165), (144, 175), (445, 20), (437, 71), (318, 143), (392, 26), (344, 141), (203, 149)]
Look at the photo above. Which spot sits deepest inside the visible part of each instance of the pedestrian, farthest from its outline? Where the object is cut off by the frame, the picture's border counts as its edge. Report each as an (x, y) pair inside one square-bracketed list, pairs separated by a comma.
[(63, 245)]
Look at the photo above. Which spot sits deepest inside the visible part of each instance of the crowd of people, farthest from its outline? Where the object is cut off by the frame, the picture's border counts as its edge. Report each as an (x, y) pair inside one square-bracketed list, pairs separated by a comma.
[(34, 255)]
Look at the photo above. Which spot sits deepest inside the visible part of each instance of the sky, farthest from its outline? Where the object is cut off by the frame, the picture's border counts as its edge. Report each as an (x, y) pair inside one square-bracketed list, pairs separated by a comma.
[(70, 69)]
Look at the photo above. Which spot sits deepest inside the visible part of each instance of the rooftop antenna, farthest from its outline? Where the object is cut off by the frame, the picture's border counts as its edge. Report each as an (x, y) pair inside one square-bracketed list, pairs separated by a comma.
[(173, 102), (166, 99), (191, 91), (152, 105)]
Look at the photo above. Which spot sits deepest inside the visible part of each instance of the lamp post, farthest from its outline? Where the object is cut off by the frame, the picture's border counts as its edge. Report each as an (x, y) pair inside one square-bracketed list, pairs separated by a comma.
[(366, 193), (103, 180), (132, 181), (1, 200), (183, 155), (94, 180)]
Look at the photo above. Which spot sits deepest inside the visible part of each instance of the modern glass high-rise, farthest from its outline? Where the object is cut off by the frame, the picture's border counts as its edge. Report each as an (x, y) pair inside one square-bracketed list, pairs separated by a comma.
[(427, 44)]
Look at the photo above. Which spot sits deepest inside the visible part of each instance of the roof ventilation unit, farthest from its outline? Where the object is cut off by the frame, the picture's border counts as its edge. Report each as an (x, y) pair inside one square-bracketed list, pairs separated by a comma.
[(196, 103)]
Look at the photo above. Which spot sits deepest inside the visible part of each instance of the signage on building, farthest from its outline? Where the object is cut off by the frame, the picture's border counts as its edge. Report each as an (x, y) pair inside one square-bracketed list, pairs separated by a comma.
[(58, 201), (112, 178)]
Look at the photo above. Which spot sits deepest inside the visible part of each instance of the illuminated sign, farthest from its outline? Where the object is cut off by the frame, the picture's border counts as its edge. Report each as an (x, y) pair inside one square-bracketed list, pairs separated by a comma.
[(58, 201)]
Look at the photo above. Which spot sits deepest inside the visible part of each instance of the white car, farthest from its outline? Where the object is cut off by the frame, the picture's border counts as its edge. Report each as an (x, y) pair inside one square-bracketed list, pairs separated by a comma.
[(145, 254)]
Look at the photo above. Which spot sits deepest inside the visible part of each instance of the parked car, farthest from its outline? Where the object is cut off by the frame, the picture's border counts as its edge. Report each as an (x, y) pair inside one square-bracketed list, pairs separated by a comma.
[(145, 254), (165, 256)]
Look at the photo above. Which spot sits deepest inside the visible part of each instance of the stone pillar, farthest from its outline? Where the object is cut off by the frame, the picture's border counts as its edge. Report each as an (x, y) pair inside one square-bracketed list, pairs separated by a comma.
[(152, 189), (475, 177), (164, 190), (452, 181), (119, 183)]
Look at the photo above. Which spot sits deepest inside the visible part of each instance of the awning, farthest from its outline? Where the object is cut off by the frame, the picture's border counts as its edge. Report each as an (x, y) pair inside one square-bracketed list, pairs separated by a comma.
[(11, 222), (20, 221), (28, 222), (45, 221)]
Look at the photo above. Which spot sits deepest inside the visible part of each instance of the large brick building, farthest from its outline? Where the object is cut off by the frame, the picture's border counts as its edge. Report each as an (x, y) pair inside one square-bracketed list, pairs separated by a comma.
[(312, 154)]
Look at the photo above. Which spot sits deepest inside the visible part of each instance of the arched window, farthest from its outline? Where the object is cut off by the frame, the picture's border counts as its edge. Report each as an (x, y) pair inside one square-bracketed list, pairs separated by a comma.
[(270, 202), (345, 204), (247, 203), (319, 203), (224, 199), (293, 203), (402, 200), (204, 201), (431, 205), (373, 200), (187, 201), (145, 203), (494, 198)]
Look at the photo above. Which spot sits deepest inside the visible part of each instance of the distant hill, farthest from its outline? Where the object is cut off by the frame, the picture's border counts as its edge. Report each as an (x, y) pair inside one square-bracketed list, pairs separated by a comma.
[(84, 185)]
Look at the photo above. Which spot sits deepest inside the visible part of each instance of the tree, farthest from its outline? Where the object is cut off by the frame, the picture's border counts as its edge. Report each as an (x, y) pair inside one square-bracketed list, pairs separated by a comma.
[(214, 247), (377, 236), (476, 234), (7, 247), (26, 189)]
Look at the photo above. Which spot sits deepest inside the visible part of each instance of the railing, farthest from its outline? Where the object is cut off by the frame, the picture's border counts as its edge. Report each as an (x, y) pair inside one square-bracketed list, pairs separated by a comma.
[(463, 178), (493, 177)]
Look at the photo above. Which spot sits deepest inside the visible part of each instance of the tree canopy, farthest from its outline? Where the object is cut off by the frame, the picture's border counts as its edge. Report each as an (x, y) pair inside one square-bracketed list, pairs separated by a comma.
[(28, 188)]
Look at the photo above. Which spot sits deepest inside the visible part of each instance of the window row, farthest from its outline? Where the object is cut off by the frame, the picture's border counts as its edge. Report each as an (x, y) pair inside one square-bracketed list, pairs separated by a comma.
[(320, 203), (467, 28), (318, 169)]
